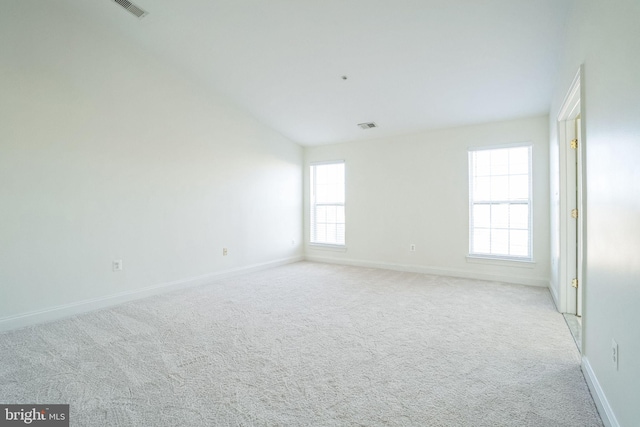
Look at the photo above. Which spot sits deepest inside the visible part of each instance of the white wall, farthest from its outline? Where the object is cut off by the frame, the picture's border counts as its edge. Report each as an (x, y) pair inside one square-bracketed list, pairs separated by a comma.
[(414, 190), (604, 36), (106, 153)]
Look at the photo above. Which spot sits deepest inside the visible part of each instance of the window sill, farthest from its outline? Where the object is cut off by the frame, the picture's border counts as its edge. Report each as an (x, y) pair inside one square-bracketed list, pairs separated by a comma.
[(506, 262), (327, 247)]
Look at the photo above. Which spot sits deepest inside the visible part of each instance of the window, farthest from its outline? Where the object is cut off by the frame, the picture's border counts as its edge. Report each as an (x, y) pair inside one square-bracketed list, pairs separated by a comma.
[(500, 202), (327, 203)]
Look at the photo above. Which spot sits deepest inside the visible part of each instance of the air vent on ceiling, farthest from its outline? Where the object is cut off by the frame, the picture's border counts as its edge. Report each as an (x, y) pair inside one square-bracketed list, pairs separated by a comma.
[(367, 125), (132, 8)]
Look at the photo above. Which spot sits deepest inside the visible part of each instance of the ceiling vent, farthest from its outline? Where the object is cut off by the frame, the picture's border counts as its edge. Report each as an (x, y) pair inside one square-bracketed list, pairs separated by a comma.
[(367, 125), (132, 8)]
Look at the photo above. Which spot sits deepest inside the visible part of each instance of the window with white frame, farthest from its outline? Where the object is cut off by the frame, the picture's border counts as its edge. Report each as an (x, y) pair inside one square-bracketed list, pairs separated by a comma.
[(327, 203), (500, 187)]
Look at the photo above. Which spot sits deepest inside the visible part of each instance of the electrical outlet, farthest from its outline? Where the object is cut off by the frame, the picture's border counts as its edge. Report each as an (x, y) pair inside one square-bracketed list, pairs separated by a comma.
[(224, 251), (293, 242), (117, 265), (614, 353), (412, 248)]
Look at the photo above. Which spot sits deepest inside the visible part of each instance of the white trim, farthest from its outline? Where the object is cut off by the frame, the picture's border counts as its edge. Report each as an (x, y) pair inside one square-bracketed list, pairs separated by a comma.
[(438, 271), (571, 100), (605, 410), (567, 256), (499, 146), (66, 310), (327, 247), (326, 162), (554, 294), (502, 261)]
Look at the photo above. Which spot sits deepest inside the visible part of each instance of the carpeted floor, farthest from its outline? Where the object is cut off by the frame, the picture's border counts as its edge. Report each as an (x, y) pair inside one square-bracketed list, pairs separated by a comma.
[(310, 344)]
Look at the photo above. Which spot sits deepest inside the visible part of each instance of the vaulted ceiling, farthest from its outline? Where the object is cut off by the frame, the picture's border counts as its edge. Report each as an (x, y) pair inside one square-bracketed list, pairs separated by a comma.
[(410, 65)]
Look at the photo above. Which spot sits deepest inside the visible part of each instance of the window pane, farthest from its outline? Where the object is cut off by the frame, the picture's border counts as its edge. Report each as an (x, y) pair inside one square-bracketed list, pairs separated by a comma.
[(336, 174), (482, 216), (340, 214), (322, 193), (339, 192), (499, 187), (482, 189), (321, 214), (330, 195), (519, 243), (321, 174), (321, 233), (482, 163), (500, 216), (499, 162), (340, 234), (518, 187), (481, 241), (519, 216), (519, 160), (331, 234), (331, 214), (500, 242)]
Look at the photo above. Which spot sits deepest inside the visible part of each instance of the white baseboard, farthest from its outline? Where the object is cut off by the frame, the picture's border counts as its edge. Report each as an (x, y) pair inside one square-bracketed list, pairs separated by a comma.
[(79, 307), (605, 410), (453, 272)]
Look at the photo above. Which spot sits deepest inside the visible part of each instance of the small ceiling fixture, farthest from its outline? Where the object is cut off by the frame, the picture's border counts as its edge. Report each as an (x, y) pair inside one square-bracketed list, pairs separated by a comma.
[(132, 8), (368, 125)]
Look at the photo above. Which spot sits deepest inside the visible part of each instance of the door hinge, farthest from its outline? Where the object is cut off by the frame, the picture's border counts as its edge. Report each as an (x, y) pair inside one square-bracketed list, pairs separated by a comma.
[(574, 213), (574, 143), (574, 283)]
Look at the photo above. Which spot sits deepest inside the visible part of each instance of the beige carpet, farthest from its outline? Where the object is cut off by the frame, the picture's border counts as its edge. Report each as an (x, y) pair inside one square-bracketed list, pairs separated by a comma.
[(310, 345)]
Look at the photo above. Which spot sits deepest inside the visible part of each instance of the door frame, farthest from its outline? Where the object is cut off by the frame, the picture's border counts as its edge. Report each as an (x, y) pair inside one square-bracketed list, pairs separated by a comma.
[(572, 164)]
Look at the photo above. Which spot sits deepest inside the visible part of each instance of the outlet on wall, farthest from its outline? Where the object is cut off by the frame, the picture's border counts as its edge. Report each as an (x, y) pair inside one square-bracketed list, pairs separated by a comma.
[(614, 353), (224, 251), (412, 247), (117, 265)]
